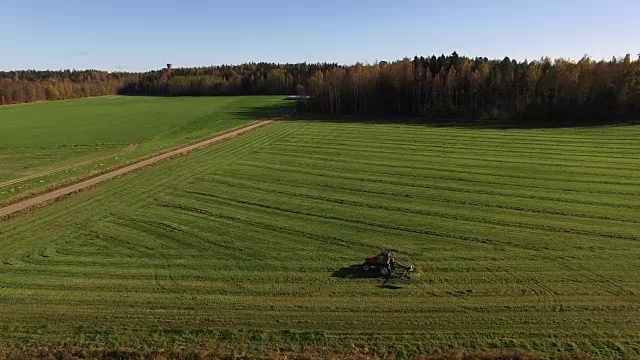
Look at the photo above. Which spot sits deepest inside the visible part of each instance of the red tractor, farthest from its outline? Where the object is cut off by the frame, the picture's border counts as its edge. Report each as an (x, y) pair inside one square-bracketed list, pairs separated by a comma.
[(385, 263)]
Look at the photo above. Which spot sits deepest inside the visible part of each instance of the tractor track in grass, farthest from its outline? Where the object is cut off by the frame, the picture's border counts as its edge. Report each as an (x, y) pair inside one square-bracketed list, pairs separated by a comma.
[(56, 194)]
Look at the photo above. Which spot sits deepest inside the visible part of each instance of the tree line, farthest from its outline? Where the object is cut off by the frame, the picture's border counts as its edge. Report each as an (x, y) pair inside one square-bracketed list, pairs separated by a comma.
[(31, 85), (245, 79), (462, 87), (441, 87)]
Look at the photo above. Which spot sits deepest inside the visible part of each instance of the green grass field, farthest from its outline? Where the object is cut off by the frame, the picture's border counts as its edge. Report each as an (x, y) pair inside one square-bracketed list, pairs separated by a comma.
[(523, 241), (38, 138)]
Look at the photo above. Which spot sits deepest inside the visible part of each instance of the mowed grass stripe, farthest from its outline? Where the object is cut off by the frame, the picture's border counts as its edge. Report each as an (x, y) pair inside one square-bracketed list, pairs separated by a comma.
[(579, 136), (447, 197), (454, 138), (418, 145), (607, 153), (584, 183), (558, 161), (424, 136), (431, 225), (462, 187), (461, 167), (497, 216)]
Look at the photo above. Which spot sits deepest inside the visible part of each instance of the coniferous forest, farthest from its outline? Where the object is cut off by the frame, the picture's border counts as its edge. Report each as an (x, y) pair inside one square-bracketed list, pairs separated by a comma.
[(437, 87)]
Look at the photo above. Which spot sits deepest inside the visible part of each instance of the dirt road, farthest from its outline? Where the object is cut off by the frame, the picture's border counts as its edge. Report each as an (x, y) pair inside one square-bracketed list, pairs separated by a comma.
[(59, 193)]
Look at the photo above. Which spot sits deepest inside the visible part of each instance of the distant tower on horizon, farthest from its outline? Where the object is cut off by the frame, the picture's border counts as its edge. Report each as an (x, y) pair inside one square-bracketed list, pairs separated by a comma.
[(169, 66)]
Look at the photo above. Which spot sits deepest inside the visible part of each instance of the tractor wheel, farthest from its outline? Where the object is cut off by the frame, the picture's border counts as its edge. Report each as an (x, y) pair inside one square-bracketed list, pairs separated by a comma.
[(366, 267), (385, 271)]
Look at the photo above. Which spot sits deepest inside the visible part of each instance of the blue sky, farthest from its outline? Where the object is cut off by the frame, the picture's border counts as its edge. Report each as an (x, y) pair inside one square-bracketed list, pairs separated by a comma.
[(139, 35)]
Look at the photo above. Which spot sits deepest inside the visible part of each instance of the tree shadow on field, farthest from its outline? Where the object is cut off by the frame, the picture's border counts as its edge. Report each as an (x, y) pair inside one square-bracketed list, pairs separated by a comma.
[(287, 110), (479, 124), (277, 111)]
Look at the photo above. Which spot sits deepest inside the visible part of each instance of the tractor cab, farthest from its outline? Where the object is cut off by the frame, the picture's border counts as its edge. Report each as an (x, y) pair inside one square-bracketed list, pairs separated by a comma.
[(384, 262), (384, 257)]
